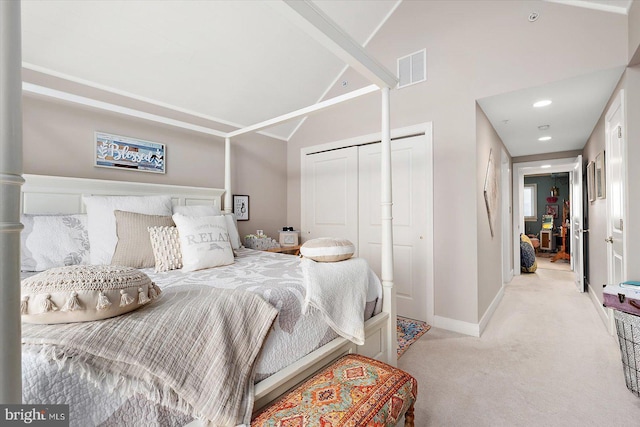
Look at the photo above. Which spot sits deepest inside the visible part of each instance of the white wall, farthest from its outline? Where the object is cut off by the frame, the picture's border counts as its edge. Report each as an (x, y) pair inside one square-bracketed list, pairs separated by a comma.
[(474, 49), (489, 247)]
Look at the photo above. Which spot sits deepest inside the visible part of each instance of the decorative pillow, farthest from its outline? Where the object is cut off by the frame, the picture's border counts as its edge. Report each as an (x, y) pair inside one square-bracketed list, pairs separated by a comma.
[(102, 221), (165, 242), (49, 241), (327, 249), (134, 245), (81, 293), (232, 228), (204, 241), (528, 263), (197, 210)]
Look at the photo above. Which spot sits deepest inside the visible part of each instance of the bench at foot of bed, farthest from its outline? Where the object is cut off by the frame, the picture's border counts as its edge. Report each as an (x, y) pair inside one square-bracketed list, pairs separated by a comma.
[(353, 391)]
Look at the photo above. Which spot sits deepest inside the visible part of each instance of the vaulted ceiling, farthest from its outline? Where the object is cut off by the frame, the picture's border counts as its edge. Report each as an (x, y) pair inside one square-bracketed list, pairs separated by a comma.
[(242, 62), (235, 62)]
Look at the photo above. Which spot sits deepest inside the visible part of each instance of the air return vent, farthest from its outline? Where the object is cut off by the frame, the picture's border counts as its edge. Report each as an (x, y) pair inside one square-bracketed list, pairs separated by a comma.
[(412, 68)]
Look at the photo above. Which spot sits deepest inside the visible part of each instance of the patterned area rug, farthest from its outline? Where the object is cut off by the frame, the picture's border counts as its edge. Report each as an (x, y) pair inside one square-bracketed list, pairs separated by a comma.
[(409, 331)]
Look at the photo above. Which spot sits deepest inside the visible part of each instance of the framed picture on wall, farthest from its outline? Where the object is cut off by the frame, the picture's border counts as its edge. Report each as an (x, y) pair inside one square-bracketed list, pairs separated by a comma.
[(241, 207), (552, 210), (600, 176), (591, 178), (123, 152)]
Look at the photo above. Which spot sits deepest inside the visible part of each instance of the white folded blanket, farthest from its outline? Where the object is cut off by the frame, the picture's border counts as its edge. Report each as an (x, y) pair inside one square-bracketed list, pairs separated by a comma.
[(339, 291)]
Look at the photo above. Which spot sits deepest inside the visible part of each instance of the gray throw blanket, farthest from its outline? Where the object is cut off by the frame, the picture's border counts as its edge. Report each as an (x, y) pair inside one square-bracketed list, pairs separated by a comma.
[(193, 350)]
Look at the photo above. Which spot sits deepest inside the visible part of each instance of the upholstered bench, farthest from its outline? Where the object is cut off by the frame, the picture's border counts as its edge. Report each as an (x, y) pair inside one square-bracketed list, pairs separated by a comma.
[(353, 391)]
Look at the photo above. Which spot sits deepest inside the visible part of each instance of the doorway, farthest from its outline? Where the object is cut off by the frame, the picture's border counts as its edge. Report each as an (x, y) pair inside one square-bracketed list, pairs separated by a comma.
[(573, 233), (546, 218)]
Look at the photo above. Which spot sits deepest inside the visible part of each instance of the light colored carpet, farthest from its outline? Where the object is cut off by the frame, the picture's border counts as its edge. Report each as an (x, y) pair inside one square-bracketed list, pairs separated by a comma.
[(545, 263), (545, 359)]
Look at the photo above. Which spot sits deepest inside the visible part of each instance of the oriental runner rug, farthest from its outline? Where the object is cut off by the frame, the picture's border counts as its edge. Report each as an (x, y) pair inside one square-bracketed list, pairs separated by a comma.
[(409, 331)]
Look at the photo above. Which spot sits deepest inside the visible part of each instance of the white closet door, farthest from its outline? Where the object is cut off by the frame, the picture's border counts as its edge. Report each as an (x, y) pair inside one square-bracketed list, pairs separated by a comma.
[(409, 176), (330, 196)]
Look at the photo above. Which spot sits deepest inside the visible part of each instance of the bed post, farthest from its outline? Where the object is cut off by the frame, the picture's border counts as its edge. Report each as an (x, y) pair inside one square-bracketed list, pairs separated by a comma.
[(227, 175), (10, 183), (389, 293)]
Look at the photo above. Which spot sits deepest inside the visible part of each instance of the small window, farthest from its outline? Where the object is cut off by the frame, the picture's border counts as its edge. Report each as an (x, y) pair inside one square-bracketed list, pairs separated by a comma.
[(530, 204)]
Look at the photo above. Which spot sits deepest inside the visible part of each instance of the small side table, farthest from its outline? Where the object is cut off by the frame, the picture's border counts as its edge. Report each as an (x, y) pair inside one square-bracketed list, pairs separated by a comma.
[(291, 250)]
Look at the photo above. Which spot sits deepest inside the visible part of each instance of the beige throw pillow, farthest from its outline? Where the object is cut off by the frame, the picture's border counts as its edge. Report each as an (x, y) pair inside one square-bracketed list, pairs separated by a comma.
[(165, 242), (327, 249), (101, 223), (82, 293), (134, 244)]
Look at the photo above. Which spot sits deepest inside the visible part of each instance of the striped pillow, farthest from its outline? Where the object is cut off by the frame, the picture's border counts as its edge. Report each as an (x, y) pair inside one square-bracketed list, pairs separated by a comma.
[(327, 249), (134, 245)]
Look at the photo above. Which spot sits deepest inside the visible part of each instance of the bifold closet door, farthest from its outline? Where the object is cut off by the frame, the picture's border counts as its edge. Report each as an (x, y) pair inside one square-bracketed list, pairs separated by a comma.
[(330, 195), (409, 219)]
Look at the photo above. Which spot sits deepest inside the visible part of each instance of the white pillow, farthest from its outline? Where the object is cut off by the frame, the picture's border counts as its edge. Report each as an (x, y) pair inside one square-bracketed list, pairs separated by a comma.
[(102, 220), (49, 241), (197, 210), (232, 228), (204, 241), (327, 249)]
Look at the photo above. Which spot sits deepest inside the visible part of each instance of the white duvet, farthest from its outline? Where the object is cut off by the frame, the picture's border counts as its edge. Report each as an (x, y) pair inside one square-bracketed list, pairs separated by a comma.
[(277, 278)]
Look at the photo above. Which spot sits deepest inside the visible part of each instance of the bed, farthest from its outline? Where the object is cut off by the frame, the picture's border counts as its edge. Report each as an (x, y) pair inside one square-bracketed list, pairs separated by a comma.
[(41, 194), (276, 277)]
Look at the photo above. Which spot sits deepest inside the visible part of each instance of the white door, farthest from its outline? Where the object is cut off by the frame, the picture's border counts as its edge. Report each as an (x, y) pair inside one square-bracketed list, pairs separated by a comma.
[(330, 196), (409, 186), (577, 248), (614, 171)]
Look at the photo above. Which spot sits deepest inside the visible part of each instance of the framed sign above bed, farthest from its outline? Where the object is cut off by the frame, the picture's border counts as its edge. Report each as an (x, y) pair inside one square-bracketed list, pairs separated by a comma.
[(122, 152)]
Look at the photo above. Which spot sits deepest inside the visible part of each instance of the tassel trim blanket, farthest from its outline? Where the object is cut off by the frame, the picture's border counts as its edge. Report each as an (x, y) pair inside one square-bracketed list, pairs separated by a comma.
[(194, 351)]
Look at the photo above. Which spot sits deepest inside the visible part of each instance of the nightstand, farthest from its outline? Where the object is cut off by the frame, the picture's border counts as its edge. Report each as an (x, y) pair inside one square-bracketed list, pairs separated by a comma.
[(290, 250)]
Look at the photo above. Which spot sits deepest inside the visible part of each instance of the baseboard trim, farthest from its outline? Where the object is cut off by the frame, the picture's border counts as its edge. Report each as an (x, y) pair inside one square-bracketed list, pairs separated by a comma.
[(602, 310), (492, 308), (454, 325)]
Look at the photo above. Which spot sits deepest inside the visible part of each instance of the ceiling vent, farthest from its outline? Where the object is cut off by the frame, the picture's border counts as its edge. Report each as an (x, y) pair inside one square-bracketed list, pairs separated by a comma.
[(412, 68)]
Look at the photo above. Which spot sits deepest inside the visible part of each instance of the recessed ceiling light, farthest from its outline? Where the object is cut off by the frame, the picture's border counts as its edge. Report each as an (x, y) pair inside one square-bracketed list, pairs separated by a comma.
[(544, 138), (545, 166), (543, 127), (542, 103)]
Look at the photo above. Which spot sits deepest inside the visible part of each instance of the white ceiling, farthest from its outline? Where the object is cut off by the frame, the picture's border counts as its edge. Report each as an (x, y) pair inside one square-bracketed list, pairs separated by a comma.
[(577, 104), (236, 62), (615, 6), (240, 62)]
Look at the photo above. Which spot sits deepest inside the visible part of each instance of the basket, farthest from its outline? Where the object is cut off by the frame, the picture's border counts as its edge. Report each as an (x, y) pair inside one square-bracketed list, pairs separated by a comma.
[(628, 328)]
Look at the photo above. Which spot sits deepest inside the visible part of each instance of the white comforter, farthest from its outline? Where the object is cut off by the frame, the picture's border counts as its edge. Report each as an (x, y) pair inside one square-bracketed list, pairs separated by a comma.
[(277, 278)]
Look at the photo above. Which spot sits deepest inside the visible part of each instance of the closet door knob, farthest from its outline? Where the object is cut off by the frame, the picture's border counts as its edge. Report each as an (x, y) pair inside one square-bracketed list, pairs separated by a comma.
[(609, 239)]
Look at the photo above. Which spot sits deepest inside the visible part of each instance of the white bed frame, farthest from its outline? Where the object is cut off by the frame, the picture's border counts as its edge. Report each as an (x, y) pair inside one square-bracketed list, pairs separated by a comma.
[(54, 194)]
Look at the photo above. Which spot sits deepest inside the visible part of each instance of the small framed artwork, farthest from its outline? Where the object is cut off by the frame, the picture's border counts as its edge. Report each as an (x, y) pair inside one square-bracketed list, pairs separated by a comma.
[(552, 210), (123, 152), (241, 207), (600, 176), (591, 178)]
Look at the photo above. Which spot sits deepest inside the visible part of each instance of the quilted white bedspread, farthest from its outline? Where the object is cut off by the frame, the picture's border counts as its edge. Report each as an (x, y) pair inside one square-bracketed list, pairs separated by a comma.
[(276, 277)]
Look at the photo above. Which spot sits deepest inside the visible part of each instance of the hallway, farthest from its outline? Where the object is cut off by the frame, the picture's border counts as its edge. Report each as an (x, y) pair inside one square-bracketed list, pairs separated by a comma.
[(544, 262), (545, 359)]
